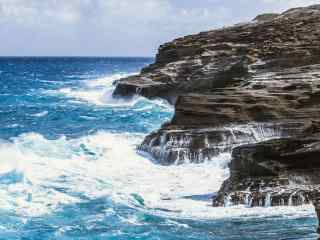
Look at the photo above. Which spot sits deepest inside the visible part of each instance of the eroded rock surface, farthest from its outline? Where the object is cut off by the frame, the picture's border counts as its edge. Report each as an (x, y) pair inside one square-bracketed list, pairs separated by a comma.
[(265, 72), (234, 88), (223, 58), (277, 172)]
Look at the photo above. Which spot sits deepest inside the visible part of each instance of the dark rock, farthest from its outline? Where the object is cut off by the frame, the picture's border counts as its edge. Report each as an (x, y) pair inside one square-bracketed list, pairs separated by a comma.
[(174, 144), (264, 75), (263, 72), (222, 58), (276, 172), (316, 203)]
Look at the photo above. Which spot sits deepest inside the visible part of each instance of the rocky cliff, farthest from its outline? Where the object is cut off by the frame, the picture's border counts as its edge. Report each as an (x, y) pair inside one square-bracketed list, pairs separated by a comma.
[(277, 172), (233, 89)]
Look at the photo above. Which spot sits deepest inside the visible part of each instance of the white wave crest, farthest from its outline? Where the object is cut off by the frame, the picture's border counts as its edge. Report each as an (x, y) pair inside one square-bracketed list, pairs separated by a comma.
[(40, 114), (98, 92), (95, 91), (107, 165)]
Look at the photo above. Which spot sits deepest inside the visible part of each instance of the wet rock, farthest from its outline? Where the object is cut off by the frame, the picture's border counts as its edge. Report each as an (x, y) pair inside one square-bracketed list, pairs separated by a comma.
[(277, 172), (316, 203), (174, 144)]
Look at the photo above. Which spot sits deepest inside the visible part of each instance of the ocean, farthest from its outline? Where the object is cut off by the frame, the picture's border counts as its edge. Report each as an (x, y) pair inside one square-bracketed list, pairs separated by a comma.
[(70, 169)]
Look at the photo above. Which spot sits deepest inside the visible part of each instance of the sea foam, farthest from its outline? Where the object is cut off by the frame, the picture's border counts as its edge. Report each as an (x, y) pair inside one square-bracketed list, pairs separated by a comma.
[(44, 175), (96, 91)]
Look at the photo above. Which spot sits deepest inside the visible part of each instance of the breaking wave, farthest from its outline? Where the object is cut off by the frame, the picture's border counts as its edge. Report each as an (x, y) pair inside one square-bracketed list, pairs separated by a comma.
[(40, 176), (70, 169), (99, 92)]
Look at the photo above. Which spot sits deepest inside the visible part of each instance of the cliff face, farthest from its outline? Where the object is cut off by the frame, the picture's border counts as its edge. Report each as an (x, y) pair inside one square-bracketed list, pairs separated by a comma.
[(237, 86), (223, 58), (289, 165), (277, 172), (264, 72)]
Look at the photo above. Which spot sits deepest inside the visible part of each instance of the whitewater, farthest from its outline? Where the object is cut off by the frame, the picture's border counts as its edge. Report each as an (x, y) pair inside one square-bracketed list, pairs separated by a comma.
[(70, 169)]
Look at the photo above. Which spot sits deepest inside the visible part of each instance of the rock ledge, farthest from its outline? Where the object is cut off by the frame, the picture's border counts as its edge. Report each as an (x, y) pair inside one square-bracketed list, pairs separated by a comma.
[(251, 89)]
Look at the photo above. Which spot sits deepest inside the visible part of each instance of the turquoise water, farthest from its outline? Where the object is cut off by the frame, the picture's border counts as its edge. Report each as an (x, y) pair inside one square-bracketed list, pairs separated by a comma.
[(69, 168)]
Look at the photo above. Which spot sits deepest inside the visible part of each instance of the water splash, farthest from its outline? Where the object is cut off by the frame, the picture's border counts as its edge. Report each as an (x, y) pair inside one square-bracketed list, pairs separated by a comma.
[(177, 146), (268, 200), (99, 165)]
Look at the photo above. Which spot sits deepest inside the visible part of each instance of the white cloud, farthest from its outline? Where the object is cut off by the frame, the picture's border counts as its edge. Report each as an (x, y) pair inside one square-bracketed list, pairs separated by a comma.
[(116, 27), (286, 4)]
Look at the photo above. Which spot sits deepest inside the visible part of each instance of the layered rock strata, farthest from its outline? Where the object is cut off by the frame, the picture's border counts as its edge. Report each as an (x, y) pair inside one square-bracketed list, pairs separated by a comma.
[(234, 88), (222, 58), (276, 172), (264, 72)]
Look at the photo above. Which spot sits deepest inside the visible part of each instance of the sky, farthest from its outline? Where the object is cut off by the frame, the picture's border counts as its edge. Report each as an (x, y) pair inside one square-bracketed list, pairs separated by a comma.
[(117, 27)]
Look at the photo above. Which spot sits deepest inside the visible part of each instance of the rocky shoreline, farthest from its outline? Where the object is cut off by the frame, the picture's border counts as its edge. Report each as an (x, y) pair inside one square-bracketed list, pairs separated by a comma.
[(252, 89)]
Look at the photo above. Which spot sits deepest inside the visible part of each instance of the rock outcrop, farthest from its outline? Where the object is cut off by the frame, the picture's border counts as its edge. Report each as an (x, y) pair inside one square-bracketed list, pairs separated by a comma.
[(233, 89), (222, 58), (276, 172), (263, 72)]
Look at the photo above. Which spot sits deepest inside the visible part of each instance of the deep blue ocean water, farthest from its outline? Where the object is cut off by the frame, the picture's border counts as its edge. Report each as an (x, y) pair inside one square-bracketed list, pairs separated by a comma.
[(69, 168)]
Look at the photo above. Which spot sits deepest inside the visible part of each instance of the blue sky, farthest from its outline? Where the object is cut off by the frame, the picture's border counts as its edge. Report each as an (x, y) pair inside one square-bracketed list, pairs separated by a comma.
[(117, 27)]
